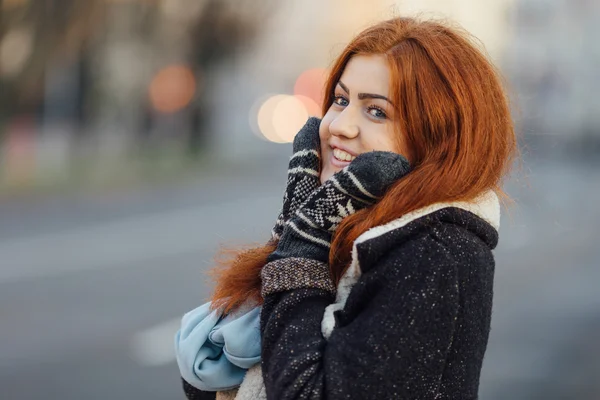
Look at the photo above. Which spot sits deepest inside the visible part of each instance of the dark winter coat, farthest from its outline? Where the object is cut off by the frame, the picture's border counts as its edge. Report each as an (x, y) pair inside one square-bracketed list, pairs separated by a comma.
[(410, 318)]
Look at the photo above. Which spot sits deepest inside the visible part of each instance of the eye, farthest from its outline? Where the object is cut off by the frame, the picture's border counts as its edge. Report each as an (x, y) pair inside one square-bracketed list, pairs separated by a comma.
[(340, 100), (377, 112)]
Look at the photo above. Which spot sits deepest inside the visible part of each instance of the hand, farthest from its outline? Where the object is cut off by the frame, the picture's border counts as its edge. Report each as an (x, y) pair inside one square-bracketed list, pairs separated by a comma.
[(303, 173), (307, 234)]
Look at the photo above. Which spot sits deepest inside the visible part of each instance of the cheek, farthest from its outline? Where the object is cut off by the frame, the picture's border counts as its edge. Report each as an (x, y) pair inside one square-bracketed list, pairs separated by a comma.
[(380, 141), (386, 140), (324, 126), (324, 132)]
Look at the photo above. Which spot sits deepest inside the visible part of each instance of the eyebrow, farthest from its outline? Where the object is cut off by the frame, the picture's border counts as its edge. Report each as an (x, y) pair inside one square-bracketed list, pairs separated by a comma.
[(362, 96)]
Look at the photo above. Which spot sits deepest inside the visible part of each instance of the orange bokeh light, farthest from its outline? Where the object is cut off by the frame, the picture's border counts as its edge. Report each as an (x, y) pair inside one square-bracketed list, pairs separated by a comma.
[(280, 117), (311, 84), (172, 88), (312, 108), (289, 117), (265, 118)]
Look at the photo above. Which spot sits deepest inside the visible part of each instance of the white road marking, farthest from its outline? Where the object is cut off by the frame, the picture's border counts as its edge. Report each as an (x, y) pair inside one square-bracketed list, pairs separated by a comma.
[(154, 347)]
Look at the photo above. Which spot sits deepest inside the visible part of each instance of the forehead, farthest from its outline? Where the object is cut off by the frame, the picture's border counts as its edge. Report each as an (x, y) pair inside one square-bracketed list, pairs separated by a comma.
[(367, 74)]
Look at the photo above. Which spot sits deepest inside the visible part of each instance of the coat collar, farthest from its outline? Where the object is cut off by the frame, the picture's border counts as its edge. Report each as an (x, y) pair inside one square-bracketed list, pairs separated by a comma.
[(486, 206)]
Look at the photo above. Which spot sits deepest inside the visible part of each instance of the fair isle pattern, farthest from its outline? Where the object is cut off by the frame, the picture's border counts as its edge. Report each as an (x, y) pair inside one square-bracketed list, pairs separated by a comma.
[(304, 153), (324, 211), (303, 178), (341, 189), (306, 235), (294, 273), (359, 185), (300, 170), (486, 206), (339, 197)]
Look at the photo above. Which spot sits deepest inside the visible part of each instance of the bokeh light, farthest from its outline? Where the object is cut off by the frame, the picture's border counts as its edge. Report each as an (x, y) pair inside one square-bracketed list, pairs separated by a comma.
[(265, 118), (172, 88), (15, 49), (19, 151), (280, 117), (289, 117), (253, 117), (312, 108), (311, 83), (119, 117)]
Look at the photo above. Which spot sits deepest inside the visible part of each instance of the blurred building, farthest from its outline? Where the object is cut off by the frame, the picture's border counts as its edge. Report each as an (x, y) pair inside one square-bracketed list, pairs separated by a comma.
[(487, 20), (104, 81), (101, 81), (301, 36), (310, 35), (553, 66)]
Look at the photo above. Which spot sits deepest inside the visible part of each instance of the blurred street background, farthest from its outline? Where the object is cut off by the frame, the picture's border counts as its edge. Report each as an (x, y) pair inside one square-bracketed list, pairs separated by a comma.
[(137, 136)]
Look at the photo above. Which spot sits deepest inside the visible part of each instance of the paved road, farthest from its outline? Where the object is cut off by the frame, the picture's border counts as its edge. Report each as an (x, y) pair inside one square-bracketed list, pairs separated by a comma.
[(92, 288)]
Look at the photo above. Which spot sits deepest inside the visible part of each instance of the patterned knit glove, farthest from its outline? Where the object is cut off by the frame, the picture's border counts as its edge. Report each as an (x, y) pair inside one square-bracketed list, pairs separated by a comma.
[(303, 173), (302, 253)]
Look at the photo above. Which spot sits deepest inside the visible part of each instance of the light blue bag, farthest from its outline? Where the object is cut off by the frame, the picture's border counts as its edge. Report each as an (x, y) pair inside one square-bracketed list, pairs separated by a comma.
[(214, 352)]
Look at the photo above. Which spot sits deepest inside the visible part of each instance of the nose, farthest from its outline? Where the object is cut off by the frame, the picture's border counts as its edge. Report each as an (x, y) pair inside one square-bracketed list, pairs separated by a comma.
[(344, 125)]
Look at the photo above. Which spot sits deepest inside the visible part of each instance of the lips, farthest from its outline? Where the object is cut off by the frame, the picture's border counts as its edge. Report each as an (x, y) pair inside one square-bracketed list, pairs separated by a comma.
[(341, 157), (338, 163)]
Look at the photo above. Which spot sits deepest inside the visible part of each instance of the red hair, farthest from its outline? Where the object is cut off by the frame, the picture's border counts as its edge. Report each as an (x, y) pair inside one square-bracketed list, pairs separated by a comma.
[(452, 113)]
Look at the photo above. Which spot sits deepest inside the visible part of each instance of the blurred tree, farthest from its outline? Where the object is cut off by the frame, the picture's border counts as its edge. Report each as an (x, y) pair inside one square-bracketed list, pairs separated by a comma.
[(222, 29), (68, 32), (58, 28)]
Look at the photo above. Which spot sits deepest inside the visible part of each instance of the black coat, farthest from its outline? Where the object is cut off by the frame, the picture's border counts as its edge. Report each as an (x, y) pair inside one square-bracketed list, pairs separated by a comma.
[(411, 319)]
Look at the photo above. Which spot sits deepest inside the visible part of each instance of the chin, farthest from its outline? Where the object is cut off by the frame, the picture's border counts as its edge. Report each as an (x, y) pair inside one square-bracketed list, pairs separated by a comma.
[(327, 173)]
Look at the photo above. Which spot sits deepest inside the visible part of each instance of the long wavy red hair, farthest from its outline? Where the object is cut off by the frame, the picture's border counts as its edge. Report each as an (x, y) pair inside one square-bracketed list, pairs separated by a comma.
[(453, 114)]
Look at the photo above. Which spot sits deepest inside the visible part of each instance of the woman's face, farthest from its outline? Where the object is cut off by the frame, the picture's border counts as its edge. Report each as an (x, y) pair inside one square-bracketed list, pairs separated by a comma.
[(361, 117)]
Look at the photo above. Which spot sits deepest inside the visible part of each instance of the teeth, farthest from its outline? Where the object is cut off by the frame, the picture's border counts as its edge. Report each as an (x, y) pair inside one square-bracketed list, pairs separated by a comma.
[(342, 155)]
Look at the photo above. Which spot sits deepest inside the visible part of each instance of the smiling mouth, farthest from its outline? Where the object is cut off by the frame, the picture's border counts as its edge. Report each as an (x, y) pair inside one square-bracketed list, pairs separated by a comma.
[(342, 156)]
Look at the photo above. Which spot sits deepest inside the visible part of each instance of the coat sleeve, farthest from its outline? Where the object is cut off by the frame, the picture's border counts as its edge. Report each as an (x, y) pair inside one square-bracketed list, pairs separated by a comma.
[(393, 344), (192, 393)]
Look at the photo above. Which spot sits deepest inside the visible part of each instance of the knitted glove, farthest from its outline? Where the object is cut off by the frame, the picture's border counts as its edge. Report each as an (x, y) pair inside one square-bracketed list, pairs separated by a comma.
[(303, 173), (301, 256)]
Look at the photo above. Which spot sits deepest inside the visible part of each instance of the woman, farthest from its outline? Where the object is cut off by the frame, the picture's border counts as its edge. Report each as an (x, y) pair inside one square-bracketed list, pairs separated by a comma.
[(378, 281)]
